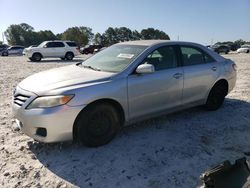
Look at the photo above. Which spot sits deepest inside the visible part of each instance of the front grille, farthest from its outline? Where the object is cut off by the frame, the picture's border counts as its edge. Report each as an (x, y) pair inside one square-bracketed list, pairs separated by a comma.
[(20, 99)]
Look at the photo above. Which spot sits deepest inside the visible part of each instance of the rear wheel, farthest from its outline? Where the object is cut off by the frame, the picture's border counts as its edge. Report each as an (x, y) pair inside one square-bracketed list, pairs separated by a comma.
[(69, 56), (216, 97), (36, 57), (97, 125)]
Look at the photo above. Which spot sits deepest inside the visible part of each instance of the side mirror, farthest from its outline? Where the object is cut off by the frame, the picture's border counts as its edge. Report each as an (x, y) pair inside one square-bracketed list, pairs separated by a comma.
[(45, 46), (145, 69)]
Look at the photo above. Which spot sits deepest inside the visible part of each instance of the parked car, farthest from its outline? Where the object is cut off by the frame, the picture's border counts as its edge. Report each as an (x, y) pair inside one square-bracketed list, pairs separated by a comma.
[(244, 48), (61, 49), (13, 50), (220, 48), (90, 49), (127, 82), (3, 49), (28, 48)]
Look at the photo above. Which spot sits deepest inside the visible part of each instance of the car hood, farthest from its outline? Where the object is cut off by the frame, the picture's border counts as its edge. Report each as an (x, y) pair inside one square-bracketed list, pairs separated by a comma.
[(58, 78)]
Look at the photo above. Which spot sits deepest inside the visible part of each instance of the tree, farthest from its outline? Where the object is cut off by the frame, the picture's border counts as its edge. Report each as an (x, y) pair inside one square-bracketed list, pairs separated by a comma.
[(19, 34), (88, 32), (136, 35), (239, 42), (123, 34), (110, 37), (152, 33), (81, 35), (98, 39)]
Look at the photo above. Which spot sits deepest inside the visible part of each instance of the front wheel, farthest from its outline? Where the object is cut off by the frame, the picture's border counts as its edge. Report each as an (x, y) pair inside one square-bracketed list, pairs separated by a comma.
[(36, 57), (216, 98), (5, 54), (97, 125)]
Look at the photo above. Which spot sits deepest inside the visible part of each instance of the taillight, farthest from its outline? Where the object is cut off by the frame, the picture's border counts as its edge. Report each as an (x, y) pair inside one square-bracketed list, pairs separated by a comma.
[(234, 66), (78, 49)]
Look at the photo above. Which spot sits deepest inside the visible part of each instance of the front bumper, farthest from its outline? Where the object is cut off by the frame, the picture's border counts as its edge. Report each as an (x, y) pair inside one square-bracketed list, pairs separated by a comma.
[(57, 121)]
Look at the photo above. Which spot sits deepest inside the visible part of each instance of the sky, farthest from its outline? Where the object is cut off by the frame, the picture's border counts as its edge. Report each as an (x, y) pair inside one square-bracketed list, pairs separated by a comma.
[(201, 21)]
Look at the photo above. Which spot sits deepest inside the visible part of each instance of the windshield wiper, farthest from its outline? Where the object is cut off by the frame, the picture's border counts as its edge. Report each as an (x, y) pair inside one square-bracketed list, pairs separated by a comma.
[(90, 67)]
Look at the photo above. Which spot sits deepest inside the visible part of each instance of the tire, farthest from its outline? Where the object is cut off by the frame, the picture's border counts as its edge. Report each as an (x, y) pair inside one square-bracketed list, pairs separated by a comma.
[(216, 97), (69, 56), (97, 125), (247, 51), (5, 54), (36, 57)]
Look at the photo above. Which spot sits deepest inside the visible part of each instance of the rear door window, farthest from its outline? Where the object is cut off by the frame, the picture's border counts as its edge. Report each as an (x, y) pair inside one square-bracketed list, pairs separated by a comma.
[(58, 44), (54, 44), (194, 56), (71, 44)]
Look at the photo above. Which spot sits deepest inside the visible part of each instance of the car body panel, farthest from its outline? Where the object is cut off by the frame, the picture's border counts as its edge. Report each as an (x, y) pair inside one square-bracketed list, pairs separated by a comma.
[(140, 96), (244, 49), (198, 79), (154, 92)]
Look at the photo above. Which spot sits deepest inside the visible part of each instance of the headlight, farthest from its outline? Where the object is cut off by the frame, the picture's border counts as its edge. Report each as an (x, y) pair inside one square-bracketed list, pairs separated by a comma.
[(50, 101)]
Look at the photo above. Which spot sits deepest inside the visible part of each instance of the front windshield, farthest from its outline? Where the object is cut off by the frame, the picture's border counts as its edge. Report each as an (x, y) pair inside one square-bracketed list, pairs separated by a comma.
[(115, 58), (42, 44)]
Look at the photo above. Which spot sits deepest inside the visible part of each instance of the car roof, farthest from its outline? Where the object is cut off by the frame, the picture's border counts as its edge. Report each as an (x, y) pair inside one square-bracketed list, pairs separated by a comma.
[(17, 46), (150, 43), (155, 42), (58, 41)]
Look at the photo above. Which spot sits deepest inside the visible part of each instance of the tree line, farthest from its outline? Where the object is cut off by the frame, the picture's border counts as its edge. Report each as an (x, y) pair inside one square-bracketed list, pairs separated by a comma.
[(233, 45), (25, 35)]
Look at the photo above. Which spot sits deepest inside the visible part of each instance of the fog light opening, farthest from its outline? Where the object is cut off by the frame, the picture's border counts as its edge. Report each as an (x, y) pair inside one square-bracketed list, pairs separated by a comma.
[(41, 132)]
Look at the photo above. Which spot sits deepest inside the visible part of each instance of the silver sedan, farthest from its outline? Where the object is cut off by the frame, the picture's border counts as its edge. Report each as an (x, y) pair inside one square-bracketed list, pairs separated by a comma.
[(127, 82)]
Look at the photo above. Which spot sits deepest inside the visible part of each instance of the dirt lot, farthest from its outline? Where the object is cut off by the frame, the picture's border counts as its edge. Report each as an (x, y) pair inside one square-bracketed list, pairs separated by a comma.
[(168, 151)]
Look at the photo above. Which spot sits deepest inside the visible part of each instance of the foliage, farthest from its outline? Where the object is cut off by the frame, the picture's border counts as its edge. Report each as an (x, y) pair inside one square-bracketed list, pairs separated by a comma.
[(115, 35), (24, 34), (152, 33), (81, 35), (233, 45)]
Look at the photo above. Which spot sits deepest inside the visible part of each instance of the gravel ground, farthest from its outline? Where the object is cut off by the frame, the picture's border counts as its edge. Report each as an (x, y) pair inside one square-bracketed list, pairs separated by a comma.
[(168, 151)]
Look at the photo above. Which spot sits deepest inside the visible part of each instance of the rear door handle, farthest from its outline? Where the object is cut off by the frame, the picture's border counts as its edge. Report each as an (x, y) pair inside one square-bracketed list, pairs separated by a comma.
[(177, 75), (214, 68)]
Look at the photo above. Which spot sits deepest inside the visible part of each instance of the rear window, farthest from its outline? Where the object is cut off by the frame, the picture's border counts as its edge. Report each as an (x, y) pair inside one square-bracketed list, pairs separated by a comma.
[(71, 44)]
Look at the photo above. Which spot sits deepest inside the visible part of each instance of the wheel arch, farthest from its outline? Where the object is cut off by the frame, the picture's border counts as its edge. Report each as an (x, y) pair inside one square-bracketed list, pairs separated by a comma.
[(222, 82), (37, 53), (117, 106), (69, 52)]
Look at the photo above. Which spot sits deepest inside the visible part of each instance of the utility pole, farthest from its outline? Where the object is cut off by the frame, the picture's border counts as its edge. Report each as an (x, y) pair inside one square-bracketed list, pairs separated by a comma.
[(3, 36), (212, 41)]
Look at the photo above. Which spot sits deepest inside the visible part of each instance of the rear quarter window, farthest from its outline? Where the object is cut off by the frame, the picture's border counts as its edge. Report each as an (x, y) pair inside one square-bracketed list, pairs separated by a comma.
[(71, 44)]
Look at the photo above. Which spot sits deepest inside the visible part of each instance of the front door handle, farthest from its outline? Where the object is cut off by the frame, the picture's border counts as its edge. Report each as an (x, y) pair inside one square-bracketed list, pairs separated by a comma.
[(177, 75)]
